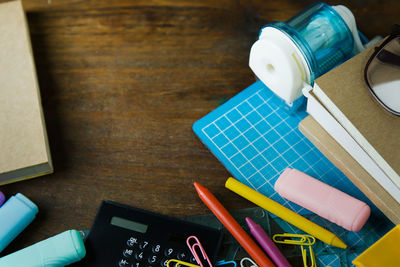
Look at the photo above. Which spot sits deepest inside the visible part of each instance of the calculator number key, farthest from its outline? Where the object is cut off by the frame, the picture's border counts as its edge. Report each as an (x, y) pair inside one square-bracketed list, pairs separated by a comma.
[(164, 262), (168, 252), (156, 249), (143, 245), (152, 259), (139, 256)]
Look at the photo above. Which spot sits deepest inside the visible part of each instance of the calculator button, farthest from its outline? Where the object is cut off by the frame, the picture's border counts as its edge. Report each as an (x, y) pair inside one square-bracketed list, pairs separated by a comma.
[(164, 262), (136, 264), (127, 253), (139, 256), (192, 260), (152, 259), (132, 241), (168, 252), (123, 263), (143, 245), (182, 255), (156, 249)]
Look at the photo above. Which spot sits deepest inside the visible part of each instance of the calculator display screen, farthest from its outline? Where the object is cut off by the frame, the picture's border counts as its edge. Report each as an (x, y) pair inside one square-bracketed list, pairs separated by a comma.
[(130, 225)]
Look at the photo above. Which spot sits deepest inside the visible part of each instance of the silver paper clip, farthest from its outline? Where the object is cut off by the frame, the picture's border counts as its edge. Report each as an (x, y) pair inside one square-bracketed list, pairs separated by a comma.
[(252, 263), (192, 246)]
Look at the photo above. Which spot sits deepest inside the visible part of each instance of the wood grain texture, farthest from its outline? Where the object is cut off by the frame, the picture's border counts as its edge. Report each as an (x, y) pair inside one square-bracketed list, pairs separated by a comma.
[(122, 82)]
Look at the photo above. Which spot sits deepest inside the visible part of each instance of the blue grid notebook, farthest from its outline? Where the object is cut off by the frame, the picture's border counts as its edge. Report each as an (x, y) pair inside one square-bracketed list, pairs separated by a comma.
[(255, 138)]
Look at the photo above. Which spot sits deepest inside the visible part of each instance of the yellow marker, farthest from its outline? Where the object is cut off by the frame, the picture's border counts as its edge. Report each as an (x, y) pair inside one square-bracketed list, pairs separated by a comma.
[(284, 213)]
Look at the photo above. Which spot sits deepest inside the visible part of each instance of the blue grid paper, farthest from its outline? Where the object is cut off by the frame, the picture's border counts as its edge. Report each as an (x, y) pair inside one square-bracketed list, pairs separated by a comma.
[(255, 138)]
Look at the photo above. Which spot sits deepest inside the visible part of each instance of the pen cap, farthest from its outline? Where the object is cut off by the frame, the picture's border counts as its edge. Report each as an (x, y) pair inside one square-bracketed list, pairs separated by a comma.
[(15, 215), (322, 199)]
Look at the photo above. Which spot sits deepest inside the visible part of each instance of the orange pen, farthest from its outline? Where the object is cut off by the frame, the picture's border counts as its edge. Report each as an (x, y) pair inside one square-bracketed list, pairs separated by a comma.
[(233, 226)]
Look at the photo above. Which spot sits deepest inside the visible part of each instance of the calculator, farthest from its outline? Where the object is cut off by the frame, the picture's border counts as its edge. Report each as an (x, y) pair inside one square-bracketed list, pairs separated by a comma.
[(125, 236)]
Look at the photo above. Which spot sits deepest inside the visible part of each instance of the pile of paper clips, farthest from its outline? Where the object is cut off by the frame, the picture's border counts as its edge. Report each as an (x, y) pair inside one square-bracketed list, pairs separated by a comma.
[(194, 247), (201, 257), (304, 241)]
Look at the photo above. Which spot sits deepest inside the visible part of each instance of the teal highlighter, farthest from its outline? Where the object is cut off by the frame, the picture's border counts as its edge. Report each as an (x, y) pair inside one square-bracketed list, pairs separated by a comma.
[(60, 250)]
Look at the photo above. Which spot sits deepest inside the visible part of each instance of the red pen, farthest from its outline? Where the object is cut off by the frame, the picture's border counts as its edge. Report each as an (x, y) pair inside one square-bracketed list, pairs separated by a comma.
[(233, 226)]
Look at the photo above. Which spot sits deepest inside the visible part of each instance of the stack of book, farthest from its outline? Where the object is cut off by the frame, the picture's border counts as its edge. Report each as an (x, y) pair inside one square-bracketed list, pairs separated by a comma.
[(358, 135)]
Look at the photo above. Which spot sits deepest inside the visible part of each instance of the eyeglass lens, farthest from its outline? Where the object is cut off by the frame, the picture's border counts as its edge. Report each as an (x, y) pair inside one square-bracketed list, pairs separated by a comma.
[(383, 75)]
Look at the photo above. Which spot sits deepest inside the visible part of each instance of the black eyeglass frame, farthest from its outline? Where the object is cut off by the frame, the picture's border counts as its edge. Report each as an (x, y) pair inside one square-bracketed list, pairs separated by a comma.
[(395, 34)]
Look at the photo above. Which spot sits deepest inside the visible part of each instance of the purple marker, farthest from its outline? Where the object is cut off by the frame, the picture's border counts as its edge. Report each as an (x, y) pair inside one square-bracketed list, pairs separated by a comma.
[(267, 244), (2, 198)]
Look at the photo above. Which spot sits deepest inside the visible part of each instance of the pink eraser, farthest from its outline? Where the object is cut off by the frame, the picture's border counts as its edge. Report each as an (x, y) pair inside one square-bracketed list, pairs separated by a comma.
[(322, 199)]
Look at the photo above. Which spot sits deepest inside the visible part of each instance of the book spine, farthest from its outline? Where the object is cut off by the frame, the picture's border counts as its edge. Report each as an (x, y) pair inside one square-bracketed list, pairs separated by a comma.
[(356, 135), (335, 129)]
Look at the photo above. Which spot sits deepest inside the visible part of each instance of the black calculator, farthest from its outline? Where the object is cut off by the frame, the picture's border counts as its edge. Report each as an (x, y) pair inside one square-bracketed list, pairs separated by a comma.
[(124, 236)]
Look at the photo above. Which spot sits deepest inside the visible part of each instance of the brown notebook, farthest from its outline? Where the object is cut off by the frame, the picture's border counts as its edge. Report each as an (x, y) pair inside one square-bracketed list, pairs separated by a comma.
[(24, 147), (345, 95), (351, 168)]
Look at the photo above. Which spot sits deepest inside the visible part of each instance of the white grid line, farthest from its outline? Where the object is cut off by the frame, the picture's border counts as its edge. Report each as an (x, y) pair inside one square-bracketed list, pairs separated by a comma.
[(224, 153), (257, 171), (281, 138)]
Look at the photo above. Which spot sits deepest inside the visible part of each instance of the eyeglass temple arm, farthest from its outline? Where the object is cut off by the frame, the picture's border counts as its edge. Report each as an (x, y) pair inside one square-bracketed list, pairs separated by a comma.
[(388, 57)]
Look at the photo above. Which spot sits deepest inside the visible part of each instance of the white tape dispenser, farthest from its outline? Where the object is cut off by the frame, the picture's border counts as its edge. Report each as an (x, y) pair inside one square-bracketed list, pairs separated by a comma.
[(289, 56)]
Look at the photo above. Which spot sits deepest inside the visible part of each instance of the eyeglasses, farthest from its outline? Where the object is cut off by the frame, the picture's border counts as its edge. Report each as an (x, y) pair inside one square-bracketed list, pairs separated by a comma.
[(382, 72)]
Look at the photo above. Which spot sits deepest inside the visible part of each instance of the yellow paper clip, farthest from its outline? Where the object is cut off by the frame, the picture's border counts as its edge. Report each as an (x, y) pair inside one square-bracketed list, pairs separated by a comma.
[(312, 256), (294, 239), (252, 263), (180, 263), (301, 240)]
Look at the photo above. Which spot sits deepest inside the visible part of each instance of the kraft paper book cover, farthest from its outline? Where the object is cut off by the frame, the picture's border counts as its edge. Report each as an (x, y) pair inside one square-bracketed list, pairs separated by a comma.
[(23, 139), (345, 95), (319, 112), (351, 168)]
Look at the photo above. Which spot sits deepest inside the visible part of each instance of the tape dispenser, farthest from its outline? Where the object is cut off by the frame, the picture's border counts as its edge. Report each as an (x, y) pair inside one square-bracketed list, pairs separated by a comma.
[(290, 55)]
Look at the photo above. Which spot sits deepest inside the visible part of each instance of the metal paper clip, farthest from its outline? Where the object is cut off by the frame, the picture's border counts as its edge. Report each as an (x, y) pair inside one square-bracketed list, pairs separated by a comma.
[(180, 263), (192, 248), (242, 262), (223, 263), (312, 256), (294, 239)]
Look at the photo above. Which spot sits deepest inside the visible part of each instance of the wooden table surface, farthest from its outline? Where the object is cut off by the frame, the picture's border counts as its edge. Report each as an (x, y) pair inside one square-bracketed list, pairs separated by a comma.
[(122, 83)]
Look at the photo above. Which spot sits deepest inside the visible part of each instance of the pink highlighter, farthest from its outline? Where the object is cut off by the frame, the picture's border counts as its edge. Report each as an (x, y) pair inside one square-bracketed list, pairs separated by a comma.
[(322, 199)]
